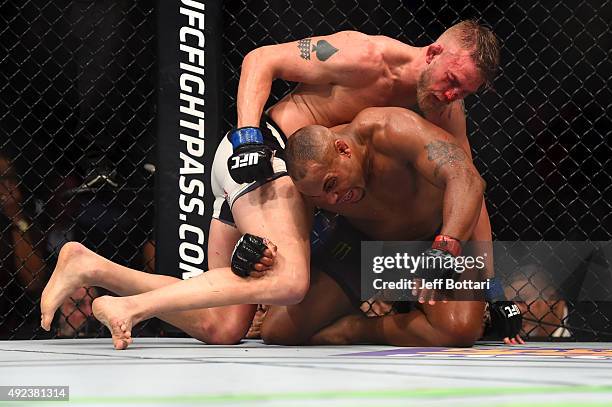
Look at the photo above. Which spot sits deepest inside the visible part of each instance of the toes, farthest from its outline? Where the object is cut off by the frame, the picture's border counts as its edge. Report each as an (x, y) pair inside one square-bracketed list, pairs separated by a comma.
[(120, 344), (45, 323)]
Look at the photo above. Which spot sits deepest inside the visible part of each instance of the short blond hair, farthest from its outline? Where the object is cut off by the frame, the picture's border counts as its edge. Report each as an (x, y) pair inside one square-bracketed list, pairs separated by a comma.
[(482, 43)]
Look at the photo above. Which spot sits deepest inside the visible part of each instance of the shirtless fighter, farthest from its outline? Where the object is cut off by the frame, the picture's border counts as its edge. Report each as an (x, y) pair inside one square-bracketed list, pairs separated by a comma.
[(392, 175), (345, 73)]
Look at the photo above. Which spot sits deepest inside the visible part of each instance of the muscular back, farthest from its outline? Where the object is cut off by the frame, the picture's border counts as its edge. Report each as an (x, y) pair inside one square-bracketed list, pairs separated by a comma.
[(416, 175), (363, 72)]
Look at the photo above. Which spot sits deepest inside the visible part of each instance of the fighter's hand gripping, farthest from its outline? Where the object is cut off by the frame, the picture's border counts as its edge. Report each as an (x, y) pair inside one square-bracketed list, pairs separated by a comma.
[(252, 159), (252, 256)]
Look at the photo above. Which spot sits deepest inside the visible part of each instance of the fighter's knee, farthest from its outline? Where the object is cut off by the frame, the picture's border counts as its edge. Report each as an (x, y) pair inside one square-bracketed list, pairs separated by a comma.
[(459, 333), (287, 286), (294, 291), (228, 333), (458, 339)]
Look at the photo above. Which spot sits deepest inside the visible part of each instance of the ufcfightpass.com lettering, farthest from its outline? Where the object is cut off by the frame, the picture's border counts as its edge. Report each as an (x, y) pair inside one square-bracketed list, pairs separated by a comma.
[(191, 107)]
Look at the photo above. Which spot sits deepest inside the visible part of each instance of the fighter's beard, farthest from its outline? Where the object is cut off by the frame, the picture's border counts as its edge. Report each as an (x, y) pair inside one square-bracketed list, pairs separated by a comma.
[(426, 100)]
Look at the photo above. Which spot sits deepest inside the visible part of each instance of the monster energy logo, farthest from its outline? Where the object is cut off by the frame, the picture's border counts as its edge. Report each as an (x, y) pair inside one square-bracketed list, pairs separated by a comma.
[(341, 250)]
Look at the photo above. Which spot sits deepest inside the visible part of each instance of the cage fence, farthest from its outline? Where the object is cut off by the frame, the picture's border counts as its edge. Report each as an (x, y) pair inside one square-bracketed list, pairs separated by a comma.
[(77, 118)]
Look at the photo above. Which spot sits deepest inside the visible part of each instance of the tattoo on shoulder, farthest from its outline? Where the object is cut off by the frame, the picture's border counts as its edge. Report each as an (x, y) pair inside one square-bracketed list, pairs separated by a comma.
[(323, 49), (443, 153)]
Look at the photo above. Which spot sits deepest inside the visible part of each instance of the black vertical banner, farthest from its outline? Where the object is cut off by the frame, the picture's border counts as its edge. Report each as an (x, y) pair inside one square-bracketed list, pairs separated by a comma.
[(188, 120)]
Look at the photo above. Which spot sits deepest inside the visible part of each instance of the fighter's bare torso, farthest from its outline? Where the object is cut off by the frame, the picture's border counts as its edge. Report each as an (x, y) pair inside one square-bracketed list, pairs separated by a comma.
[(380, 84)]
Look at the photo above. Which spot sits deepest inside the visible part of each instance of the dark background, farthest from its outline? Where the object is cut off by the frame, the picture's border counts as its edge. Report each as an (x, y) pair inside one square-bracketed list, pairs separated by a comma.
[(78, 84)]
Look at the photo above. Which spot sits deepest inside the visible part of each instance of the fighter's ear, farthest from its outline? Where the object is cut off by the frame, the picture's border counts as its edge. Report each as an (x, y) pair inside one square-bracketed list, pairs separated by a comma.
[(432, 51), (342, 147)]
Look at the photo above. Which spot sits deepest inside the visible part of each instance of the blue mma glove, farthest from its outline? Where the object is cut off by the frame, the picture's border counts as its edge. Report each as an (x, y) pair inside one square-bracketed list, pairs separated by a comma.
[(252, 159)]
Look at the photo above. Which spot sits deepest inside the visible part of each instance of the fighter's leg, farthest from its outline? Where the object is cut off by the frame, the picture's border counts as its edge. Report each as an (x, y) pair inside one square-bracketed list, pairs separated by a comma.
[(295, 324), (78, 266), (335, 284), (276, 211), (224, 325), (455, 323)]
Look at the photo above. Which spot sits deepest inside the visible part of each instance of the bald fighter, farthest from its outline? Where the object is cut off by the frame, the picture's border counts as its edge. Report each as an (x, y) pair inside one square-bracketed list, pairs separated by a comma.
[(392, 176)]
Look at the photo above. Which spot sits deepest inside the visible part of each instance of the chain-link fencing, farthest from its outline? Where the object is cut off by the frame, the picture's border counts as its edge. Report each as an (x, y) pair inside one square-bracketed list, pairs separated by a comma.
[(540, 137), (77, 124)]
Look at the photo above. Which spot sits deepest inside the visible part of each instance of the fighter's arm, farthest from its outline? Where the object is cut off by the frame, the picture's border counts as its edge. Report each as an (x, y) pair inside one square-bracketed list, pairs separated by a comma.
[(452, 119), (436, 155), (346, 57)]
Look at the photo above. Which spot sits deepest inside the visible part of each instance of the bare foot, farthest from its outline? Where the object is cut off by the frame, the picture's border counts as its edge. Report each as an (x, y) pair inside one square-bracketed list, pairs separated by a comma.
[(255, 329), (70, 274), (114, 313)]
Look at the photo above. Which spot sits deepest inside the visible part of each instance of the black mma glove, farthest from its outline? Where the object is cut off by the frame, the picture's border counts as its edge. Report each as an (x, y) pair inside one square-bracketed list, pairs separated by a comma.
[(247, 252), (506, 318), (252, 159)]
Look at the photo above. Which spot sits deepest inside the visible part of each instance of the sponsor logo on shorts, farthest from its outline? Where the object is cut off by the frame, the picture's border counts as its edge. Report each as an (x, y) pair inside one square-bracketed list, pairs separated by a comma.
[(341, 250)]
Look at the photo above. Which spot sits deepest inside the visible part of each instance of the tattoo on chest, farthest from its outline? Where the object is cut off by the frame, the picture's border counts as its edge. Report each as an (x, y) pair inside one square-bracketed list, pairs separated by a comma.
[(443, 153), (323, 49)]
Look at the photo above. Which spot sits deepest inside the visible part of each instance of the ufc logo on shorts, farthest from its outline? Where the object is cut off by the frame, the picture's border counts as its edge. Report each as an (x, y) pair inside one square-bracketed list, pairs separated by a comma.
[(245, 160), (512, 310)]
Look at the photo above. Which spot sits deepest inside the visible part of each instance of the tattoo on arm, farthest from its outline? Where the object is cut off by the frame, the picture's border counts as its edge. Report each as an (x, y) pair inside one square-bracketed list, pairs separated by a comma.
[(443, 153), (304, 47), (324, 50)]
